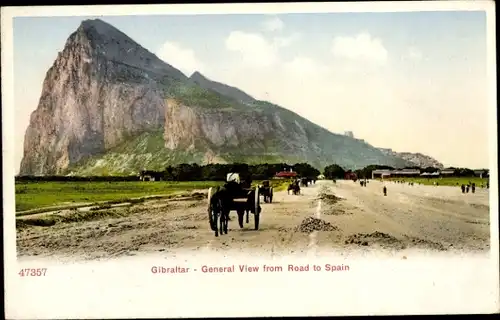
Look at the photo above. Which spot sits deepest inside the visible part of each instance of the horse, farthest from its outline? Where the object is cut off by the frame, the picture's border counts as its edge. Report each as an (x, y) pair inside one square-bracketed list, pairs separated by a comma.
[(221, 202), (218, 209), (265, 190), (294, 187)]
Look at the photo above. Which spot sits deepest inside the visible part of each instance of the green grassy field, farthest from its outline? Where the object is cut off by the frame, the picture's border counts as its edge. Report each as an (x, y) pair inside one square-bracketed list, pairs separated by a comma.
[(278, 185), (34, 195), (452, 181)]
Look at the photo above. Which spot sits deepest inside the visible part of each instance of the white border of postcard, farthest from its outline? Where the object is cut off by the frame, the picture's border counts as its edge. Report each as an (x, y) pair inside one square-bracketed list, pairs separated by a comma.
[(373, 286)]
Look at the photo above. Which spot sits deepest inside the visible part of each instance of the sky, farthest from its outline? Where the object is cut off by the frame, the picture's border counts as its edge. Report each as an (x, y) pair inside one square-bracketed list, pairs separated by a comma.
[(410, 81)]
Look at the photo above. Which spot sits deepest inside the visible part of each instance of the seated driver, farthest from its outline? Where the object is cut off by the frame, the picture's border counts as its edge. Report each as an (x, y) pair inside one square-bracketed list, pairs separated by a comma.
[(247, 182)]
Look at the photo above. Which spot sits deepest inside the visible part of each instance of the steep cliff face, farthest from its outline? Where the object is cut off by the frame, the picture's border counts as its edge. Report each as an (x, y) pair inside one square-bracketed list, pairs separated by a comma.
[(102, 88), (109, 106)]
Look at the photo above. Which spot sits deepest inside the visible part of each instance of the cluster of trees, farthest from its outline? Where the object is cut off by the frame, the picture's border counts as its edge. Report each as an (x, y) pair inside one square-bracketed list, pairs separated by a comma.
[(194, 172), (466, 172), (335, 171), (366, 172), (218, 172)]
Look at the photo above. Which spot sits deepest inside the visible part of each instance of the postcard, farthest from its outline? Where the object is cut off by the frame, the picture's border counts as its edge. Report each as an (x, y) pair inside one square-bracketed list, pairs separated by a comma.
[(250, 160)]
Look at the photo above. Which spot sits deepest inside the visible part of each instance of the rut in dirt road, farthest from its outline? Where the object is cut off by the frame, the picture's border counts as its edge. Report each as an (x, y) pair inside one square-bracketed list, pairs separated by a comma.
[(437, 218)]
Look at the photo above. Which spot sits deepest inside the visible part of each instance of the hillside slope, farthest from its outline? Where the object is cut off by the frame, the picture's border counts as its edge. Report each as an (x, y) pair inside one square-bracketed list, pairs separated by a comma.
[(221, 88), (418, 159)]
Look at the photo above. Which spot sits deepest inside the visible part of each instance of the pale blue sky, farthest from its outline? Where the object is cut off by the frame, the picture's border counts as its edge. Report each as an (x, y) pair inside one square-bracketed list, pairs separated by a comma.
[(424, 73)]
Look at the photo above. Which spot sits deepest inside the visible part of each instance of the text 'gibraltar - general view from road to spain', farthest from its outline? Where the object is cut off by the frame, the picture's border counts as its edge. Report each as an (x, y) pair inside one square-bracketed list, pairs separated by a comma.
[(252, 133)]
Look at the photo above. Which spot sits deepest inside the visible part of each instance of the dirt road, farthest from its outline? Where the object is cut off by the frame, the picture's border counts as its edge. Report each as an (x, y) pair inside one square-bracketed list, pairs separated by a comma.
[(426, 217)]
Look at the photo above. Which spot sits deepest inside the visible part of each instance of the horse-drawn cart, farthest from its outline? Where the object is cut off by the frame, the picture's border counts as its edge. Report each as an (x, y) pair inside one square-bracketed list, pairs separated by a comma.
[(294, 187), (232, 196), (267, 191)]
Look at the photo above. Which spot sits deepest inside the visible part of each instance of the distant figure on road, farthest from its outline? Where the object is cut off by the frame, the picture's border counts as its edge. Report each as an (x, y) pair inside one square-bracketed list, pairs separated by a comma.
[(463, 188), (467, 188), (473, 188), (385, 191)]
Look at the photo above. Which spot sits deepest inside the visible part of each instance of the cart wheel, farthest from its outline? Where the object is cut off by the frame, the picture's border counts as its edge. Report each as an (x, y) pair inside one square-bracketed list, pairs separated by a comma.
[(257, 205)]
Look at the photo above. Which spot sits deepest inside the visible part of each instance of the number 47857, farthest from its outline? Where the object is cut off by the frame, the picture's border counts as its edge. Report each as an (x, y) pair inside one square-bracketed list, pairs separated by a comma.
[(32, 272)]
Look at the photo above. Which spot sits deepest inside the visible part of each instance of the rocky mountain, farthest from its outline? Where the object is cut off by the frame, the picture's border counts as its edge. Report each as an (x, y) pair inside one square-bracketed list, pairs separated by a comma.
[(109, 106), (417, 159), (221, 88)]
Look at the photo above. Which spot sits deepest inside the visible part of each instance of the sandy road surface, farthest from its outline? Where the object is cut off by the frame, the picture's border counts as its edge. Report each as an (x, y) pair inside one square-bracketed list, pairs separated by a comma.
[(426, 217)]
